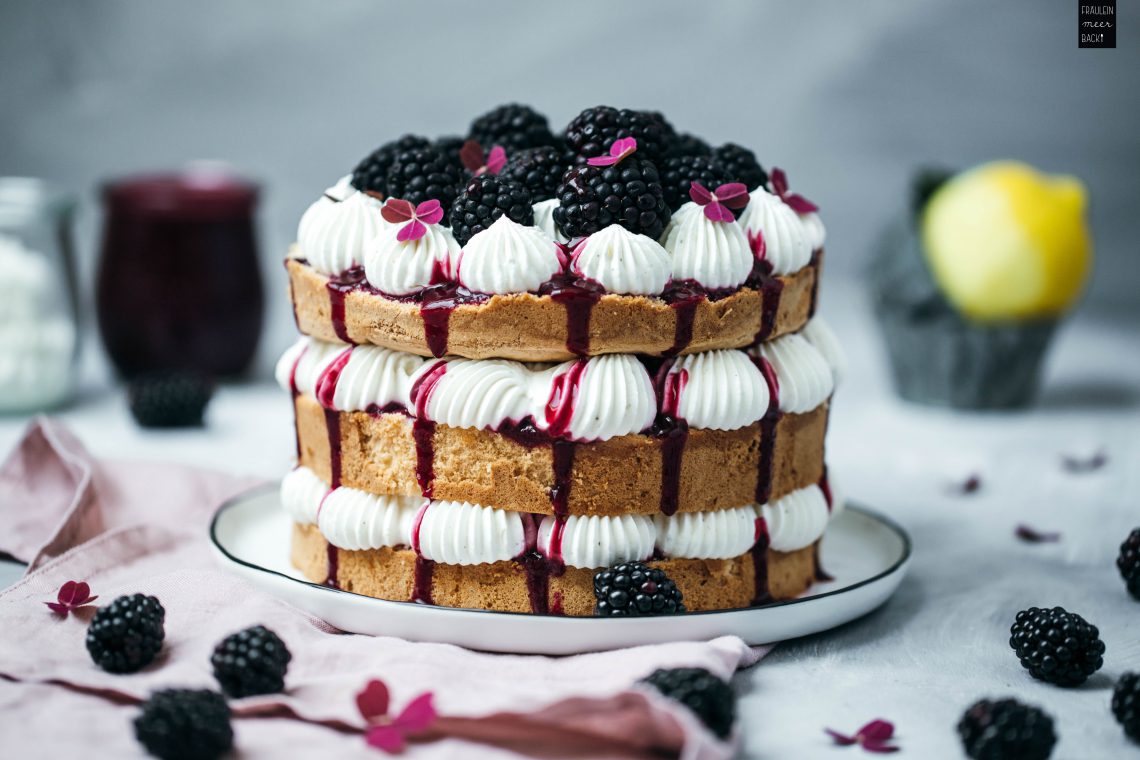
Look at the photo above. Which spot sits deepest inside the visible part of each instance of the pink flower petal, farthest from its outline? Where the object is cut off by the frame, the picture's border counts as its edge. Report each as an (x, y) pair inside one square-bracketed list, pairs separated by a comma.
[(841, 739), (779, 181), (602, 160), (67, 591), (877, 730), (718, 212), (413, 230), (496, 160), (879, 747), (387, 738), (700, 194), (60, 609), (757, 244), (396, 210), (623, 146), (418, 715), (733, 194), (800, 204), (372, 701), (430, 211), (471, 156)]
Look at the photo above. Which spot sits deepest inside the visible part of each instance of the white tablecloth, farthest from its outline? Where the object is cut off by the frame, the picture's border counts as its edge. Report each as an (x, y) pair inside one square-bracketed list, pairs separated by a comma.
[(941, 642)]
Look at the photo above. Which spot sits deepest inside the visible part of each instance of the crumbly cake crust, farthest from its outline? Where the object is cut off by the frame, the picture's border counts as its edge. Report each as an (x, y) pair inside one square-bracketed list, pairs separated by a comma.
[(526, 327), (619, 476), (501, 586)]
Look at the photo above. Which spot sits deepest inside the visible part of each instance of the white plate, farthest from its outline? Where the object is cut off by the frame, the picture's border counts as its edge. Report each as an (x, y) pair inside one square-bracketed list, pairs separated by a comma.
[(867, 553)]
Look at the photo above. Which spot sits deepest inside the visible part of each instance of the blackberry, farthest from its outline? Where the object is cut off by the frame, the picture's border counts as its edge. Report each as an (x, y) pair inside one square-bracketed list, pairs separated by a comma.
[(420, 174), (677, 174), (1126, 704), (125, 636), (709, 697), (1005, 729), (628, 193), (1056, 646), (251, 662), (485, 199), (633, 589), (539, 170), (1128, 563), (185, 724), (371, 174), (688, 145), (740, 165), (450, 146), (514, 126), (593, 131), (169, 399)]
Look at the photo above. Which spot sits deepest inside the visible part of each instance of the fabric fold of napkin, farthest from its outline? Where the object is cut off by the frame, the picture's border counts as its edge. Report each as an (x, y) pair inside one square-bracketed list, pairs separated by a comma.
[(127, 527)]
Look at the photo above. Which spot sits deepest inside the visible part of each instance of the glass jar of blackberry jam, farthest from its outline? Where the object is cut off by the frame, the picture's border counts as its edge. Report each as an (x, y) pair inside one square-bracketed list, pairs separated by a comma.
[(179, 285)]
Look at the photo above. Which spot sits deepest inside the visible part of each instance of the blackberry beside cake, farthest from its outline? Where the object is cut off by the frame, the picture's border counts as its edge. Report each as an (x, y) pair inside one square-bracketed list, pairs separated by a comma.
[(534, 357)]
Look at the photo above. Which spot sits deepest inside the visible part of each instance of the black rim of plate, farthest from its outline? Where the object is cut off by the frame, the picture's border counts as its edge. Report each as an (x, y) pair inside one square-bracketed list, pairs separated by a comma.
[(257, 491)]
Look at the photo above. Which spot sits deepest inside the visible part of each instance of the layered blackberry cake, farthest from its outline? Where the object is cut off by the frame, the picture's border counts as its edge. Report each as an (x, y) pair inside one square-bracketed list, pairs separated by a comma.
[(567, 374)]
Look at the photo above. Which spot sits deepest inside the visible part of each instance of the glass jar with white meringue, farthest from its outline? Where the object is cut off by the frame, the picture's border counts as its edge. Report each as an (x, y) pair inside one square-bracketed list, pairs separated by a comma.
[(38, 312)]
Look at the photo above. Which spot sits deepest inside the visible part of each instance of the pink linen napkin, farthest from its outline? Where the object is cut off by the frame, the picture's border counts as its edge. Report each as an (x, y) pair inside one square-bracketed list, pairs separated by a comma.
[(141, 527)]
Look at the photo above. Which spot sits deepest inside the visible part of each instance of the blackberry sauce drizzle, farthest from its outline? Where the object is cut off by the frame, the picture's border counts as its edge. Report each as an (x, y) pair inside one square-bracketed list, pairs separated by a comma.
[(423, 429), (759, 551), (767, 431), (672, 431), (424, 574)]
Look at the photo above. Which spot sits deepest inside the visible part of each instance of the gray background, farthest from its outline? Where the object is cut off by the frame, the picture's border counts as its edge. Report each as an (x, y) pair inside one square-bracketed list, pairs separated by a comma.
[(849, 97)]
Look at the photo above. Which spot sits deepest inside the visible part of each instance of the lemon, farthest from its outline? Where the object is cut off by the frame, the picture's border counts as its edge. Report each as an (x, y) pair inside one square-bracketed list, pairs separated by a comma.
[(1006, 242)]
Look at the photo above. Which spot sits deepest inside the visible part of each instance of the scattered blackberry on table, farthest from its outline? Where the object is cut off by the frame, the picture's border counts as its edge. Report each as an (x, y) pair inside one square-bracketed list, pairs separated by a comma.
[(421, 174), (450, 146), (740, 165), (628, 193), (185, 724), (686, 144), (251, 662), (514, 126), (709, 697), (633, 589), (593, 131), (371, 174), (1005, 729), (1128, 562), (485, 199), (678, 174), (126, 635), (169, 399), (539, 170), (1126, 704), (1056, 646)]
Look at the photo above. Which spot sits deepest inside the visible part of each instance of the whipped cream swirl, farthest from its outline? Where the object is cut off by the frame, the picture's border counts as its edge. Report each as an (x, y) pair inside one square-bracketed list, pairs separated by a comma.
[(354, 520), (597, 540), (804, 378), (374, 377), (302, 491), (713, 254), (818, 333), (481, 394), (622, 261), (544, 219), (796, 520), (786, 245), (707, 535), (723, 390), (459, 533), (332, 235), (615, 397), (507, 258), (399, 267), (814, 230)]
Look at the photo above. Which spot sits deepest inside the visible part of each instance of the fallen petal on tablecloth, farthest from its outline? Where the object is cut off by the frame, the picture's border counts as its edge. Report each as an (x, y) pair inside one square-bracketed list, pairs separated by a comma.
[(141, 527)]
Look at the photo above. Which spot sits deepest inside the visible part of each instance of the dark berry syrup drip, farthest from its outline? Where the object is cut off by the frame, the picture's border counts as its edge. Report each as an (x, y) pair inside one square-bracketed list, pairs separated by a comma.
[(325, 389), (683, 296), (436, 305), (814, 264), (767, 431), (578, 295), (332, 425), (423, 429), (338, 288), (540, 568), (759, 551), (825, 486), (672, 431), (559, 414), (423, 577), (333, 555), (770, 292)]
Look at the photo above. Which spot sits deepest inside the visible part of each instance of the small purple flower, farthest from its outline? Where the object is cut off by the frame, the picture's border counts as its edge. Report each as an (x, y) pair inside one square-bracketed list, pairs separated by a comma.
[(72, 595), (387, 733), (396, 210), (779, 181), (718, 202), (621, 148), (475, 161), (872, 737)]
